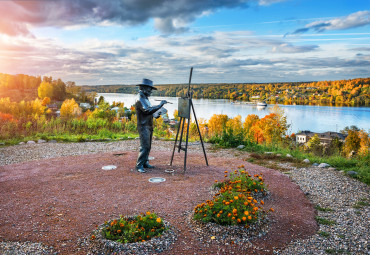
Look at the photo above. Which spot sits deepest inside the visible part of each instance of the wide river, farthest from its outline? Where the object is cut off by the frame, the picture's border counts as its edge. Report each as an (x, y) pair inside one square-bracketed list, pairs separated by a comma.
[(300, 117)]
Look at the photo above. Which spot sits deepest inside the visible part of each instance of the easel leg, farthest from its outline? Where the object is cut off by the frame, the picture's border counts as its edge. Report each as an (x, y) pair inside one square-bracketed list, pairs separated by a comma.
[(174, 147), (182, 131), (200, 135), (186, 145)]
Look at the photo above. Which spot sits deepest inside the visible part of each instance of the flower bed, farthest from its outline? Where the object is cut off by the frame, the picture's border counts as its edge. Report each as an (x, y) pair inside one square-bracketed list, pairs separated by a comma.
[(236, 209), (141, 234)]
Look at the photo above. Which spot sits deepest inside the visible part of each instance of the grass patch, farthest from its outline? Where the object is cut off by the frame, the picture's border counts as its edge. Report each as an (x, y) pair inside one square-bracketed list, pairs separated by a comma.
[(323, 209), (325, 221), (324, 234), (334, 251), (360, 204)]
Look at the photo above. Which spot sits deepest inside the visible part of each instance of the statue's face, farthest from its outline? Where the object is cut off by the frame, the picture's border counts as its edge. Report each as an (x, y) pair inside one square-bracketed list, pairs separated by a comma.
[(147, 90)]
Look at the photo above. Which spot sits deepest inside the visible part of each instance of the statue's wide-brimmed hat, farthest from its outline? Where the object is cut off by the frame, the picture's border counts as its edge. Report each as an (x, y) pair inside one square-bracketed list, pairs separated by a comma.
[(148, 83)]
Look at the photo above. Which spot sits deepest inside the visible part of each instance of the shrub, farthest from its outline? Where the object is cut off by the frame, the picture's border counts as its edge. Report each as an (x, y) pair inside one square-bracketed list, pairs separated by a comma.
[(137, 229), (235, 203)]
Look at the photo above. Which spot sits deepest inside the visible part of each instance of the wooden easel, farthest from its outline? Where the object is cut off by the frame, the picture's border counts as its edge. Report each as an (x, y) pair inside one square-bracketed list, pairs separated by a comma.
[(184, 109)]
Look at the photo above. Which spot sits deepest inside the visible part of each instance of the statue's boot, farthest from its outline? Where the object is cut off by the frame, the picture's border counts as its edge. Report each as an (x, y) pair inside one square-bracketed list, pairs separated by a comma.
[(140, 169), (147, 165)]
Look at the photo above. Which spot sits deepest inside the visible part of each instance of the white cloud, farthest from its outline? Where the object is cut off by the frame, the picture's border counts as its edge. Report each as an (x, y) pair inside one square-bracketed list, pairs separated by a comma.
[(353, 20)]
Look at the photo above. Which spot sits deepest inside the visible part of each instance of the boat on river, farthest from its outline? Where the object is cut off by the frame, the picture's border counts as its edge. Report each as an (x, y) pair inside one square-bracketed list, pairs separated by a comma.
[(261, 103)]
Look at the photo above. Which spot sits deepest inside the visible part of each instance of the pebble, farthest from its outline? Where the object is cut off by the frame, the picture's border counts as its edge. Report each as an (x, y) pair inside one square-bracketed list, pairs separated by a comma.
[(323, 165), (240, 146), (306, 161), (352, 173), (31, 142), (289, 156)]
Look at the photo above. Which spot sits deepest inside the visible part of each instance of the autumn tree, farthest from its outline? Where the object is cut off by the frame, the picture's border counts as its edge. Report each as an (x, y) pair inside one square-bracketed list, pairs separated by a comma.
[(364, 143), (249, 122), (70, 109), (46, 101), (352, 143), (45, 90), (216, 124)]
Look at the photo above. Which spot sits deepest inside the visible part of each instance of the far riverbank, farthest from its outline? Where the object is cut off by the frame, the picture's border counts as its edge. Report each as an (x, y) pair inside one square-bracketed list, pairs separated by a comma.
[(300, 117)]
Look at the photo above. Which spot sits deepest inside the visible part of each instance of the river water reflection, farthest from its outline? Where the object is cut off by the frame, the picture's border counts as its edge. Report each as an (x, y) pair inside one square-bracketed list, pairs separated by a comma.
[(300, 117)]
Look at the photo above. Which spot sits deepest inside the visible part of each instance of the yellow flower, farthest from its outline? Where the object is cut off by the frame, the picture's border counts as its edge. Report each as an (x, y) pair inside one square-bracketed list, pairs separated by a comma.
[(147, 213), (236, 198), (246, 212), (159, 220), (213, 237), (234, 211)]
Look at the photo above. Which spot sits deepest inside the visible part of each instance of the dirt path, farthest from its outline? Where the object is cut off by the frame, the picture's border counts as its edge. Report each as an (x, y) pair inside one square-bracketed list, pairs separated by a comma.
[(58, 201)]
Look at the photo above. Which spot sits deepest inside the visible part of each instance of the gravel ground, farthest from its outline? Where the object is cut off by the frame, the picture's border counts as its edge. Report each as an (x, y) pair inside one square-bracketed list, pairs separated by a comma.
[(349, 229), (330, 189)]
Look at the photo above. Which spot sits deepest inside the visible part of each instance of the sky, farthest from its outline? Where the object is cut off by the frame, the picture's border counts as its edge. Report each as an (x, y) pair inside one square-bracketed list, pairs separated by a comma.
[(94, 42)]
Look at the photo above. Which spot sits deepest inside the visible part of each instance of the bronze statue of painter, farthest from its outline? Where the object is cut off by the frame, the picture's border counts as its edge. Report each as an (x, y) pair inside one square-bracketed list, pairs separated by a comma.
[(144, 113)]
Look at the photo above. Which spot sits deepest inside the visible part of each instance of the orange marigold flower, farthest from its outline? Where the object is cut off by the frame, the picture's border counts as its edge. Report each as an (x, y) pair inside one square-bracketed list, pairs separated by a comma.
[(112, 223), (225, 172), (225, 175), (249, 217), (121, 225), (272, 210), (246, 212), (119, 231), (245, 203), (233, 218), (255, 190), (244, 218), (262, 203), (234, 211), (254, 201), (147, 213), (229, 215), (227, 203), (216, 181), (218, 215), (92, 237), (236, 198), (239, 220), (159, 220)]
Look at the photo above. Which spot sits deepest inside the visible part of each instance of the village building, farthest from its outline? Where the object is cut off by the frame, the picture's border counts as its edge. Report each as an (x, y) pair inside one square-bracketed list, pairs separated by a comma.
[(325, 138)]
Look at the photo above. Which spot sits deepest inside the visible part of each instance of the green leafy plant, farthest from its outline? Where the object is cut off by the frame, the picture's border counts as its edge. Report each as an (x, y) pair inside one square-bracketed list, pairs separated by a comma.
[(325, 221), (323, 209), (136, 229), (235, 203)]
